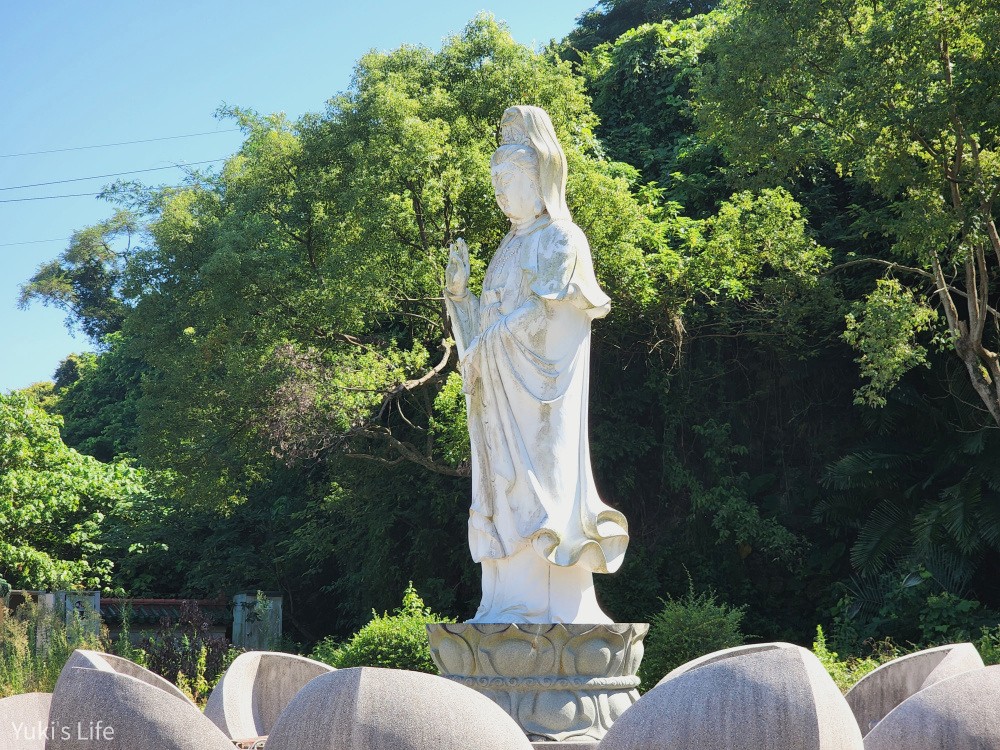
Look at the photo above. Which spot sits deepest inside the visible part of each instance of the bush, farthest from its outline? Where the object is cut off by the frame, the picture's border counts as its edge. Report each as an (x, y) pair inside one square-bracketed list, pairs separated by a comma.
[(988, 645), (686, 628), (188, 654), (397, 641), (910, 607), (847, 673)]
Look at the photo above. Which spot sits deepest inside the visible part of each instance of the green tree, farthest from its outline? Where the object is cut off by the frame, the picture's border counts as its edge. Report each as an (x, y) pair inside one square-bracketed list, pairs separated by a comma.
[(85, 281), (293, 309), (922, 489), (901, 98), (97, 396), (54, 503), (609, 19), (642, 90)]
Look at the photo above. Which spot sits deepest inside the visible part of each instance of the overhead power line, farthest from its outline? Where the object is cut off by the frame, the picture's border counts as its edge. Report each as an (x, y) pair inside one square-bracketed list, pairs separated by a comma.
[(34, 242), (66, 195), (46, 197), (120, 143), (113, 174)]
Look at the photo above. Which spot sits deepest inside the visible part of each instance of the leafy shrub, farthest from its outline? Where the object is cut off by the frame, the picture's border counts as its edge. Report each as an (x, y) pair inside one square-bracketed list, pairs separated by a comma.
[(187, 653), (909, 607), (846, 673), (947, 618), (398, 641), (686, 628), (989, 645), (35, 644)]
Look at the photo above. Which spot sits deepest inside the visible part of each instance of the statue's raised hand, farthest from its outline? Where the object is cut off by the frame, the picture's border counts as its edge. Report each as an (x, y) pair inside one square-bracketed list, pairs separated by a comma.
[(456, 275)]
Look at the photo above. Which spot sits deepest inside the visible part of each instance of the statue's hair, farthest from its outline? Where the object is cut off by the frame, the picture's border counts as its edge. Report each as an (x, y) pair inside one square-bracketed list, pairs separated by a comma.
[(524, 157)]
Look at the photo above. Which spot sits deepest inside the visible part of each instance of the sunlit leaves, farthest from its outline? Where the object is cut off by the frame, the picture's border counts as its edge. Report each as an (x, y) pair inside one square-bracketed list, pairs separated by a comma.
[(54, 502), (884, 328)]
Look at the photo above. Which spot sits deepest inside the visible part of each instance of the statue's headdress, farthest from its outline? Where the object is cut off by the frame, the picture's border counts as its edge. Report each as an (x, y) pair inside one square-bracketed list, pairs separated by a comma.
[(531, 126)]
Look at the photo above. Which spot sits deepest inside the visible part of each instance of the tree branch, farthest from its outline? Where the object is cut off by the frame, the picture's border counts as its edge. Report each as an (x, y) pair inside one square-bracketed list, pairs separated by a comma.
[(942, 284)]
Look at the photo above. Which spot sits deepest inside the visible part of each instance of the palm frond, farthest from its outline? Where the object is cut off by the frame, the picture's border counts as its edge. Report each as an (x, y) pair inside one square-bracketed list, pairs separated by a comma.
[(884, 533)]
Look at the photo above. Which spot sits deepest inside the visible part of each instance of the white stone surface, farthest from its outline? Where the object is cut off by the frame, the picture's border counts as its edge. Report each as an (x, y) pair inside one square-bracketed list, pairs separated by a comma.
[(771, 699), (107, 710), (880, 691), (256, 688), (958, 713), (537, 525), (392, 709), (24, 721)]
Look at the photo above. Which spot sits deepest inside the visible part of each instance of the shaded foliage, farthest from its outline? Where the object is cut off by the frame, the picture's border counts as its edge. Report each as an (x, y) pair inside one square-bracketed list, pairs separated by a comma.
[(684, 629)]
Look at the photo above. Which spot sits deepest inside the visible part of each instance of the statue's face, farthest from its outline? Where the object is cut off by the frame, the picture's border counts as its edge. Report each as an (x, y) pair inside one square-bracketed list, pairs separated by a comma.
[(517, 191)]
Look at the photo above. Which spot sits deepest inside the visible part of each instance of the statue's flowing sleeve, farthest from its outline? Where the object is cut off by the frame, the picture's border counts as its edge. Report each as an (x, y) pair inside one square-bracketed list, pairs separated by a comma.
[(464, 315), (563, 269)]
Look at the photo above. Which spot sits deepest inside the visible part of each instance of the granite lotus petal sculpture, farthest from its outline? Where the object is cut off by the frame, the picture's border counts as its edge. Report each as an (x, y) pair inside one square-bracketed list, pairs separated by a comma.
[(256, 688), (24, 721), (958, 713), (110, 663), (726, 653), (779, 698), (392, 709), (878, 692), (95, 708)]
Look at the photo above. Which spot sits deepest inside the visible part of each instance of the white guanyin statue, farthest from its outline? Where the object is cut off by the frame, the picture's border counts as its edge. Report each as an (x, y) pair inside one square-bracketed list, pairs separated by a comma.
[(537, 525)]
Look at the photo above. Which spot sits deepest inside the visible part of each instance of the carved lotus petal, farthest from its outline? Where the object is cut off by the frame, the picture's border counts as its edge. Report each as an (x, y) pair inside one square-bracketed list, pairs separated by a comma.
[(557, 713), (518, 654), (454, 655), (633, 656), (598, 652)]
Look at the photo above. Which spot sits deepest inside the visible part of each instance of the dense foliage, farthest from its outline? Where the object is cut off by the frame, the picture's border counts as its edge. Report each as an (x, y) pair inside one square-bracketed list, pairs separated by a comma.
[(794, 397), (186, 652)]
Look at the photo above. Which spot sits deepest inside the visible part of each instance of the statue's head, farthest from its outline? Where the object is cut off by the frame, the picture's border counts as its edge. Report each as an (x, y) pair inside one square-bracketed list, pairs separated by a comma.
[(514, 171), (531, 163)]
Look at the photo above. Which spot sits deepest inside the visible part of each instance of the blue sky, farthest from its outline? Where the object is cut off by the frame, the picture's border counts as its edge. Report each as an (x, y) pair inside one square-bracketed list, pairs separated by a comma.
[(77, 74)]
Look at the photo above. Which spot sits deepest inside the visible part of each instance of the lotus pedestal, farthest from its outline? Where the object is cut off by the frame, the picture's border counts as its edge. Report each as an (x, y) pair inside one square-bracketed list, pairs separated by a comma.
[(560, 683)]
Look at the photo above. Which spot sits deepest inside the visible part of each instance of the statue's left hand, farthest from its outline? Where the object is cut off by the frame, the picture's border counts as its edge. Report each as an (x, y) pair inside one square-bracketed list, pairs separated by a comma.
[(456, 275)]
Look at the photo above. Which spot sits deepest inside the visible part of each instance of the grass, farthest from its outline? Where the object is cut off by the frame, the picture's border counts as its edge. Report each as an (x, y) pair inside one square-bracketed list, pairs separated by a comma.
[(35, 644)]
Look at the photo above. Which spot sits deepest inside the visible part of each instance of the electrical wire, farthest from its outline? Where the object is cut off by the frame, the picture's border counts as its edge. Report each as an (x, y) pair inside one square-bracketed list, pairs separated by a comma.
[(120, 143), (34, 242), (71, 195), (113, 174), (46, 197)]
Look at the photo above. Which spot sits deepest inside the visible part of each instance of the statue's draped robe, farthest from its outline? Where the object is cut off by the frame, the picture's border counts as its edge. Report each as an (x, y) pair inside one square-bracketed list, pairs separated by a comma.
[(525, 347)]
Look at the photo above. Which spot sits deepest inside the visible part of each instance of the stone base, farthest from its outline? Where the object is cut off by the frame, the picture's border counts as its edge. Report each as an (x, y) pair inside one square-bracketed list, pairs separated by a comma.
[(564, 684)]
